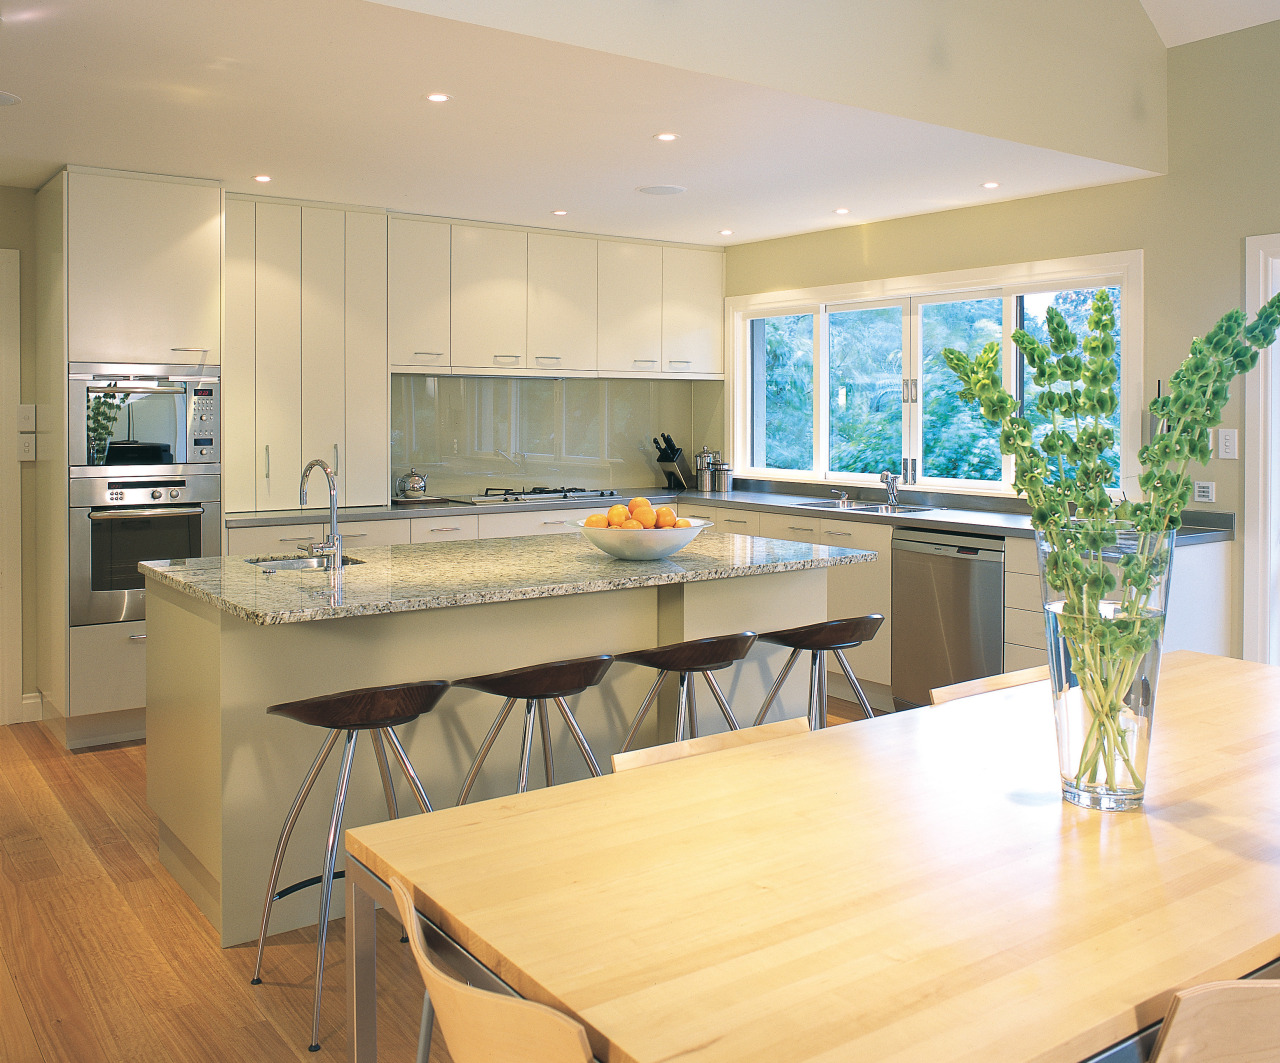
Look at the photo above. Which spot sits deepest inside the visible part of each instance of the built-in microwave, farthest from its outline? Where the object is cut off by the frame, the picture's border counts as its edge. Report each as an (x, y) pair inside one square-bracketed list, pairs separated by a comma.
[(151, 418)]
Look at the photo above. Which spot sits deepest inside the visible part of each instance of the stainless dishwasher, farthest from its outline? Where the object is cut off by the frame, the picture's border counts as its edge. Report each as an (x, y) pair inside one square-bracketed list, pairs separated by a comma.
[(948, 611)]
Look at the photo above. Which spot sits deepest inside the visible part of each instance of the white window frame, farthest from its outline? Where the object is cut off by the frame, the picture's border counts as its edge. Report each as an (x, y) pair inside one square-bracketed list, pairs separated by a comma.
[(1121, 269)]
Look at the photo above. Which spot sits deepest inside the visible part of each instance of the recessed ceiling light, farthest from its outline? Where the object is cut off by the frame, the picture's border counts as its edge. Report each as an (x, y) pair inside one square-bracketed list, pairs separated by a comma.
[(726, 232), (263, 178), (841, 210), (439, 97), (666, 136), (990, 184), (661, 190), (560, 213), (8, 99)]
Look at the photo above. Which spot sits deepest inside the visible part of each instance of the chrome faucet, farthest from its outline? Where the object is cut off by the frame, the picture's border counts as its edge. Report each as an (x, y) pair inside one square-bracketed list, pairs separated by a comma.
[(890, 481), (332, 546)]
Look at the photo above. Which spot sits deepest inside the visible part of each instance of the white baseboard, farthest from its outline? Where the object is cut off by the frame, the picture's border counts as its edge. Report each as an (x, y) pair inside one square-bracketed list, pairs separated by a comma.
[(25, 711)]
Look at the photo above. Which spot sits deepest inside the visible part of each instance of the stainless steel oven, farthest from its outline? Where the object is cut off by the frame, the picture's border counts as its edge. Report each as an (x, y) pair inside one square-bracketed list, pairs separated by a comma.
[(117, 521), (148, 418)]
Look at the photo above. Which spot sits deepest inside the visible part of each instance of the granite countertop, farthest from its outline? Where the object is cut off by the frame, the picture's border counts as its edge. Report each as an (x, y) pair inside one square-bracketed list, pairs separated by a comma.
[(394, 579)]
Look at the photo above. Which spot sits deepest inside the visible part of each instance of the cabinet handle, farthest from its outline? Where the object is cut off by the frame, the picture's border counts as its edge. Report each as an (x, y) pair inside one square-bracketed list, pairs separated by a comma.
[(506, 357), (843, 535), (546, 357), (299, 539), (335, 459), (267, 448), (428, 354), (730, 520), (644, 361), (680, 361), (132, 637), (355, 535), (792, 527), (189, 350), (443, 528), (555, 522)]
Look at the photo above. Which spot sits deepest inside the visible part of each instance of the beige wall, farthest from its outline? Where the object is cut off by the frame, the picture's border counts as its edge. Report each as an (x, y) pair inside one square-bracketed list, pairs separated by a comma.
[(1224, 173), (18, 230)]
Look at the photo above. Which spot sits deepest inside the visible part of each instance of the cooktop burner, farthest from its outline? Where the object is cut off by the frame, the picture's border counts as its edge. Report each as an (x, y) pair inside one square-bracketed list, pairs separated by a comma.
[(540, 494)]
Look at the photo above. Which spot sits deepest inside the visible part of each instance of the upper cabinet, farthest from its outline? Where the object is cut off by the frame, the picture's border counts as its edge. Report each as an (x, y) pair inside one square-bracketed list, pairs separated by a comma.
[(562, 304), (143, 269), (488, 304), (418, 294), (692, 311), (630, 301)]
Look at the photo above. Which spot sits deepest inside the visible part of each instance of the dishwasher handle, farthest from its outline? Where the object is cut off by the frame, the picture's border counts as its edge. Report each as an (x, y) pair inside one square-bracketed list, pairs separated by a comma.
[(962, 549)]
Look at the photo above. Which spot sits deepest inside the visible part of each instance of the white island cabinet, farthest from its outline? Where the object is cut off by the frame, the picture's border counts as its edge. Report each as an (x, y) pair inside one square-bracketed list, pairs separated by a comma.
[(225, 641)]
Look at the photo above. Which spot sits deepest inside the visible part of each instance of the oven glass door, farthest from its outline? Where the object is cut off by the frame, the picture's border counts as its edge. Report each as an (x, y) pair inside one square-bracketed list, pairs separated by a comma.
[(134, 424)]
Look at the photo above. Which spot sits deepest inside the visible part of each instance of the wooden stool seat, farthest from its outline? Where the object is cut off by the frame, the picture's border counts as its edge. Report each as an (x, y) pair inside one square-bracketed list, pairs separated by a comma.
[(373, 709), (697, 655), (535, 686), (829, 636), (361, 710)]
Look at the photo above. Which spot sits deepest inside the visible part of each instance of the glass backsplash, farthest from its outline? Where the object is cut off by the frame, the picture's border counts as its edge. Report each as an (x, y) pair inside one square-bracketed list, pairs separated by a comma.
[(466, 434)]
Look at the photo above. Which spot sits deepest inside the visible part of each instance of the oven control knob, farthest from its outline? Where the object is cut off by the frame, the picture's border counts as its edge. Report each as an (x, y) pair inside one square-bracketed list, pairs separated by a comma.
[(204, 417), (157, 494), (204, 450), (173, 493)]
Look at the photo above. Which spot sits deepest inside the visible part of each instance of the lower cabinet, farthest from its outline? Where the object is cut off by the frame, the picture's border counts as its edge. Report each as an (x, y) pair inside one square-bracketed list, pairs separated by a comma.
[(108, 667), (867, 587), (286, 538), (739, 521), (443, 529), (544, 522), (1024, 645)]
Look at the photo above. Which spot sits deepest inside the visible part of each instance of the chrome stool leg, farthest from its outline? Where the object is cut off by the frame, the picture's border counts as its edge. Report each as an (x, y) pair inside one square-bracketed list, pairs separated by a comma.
[(853, 682), (815, 687), (326, 888), (384, 770), (525, 743), (285, 833), (722, 701), (686, 678), (644, 711), (777, 685), (579, 737), (682, 710), (414, 782), (544, 726), (483, 752)]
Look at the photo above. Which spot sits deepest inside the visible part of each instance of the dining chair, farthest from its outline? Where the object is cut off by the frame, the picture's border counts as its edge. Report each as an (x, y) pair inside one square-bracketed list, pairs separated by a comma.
[(1222, 1022), (483, 1027), (692, 747), (1001, 681)]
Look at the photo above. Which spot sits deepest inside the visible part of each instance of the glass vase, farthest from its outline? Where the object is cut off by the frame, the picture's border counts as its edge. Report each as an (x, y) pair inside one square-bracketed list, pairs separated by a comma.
[(1105, 588)]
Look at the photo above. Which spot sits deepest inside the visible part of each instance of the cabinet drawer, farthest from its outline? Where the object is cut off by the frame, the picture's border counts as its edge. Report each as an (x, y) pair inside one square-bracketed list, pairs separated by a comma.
[(699, 510), (358, 533), (794, 528), (283, 538), (504, 525), (1019, 657), (108, 668), (737, 521), (1024, 627), (443, 529), (1022, 591), (1020, 556)]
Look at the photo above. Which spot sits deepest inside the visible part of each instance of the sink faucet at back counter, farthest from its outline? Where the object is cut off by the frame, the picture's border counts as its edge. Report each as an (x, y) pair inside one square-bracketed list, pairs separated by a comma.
[(331, 548), (890, 482)]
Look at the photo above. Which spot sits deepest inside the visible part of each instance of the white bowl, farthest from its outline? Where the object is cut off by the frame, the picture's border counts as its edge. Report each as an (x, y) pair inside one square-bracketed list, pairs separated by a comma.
[(643, 544)]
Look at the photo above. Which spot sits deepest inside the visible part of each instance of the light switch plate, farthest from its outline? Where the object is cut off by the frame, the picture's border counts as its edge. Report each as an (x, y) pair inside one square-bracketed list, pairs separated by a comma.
[(26, 446), (1227, 443), (26, 417), (1204, 491)]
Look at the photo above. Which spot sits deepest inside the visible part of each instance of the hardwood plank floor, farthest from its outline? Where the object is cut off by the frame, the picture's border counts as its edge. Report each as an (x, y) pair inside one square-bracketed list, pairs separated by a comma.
[(104, 958)]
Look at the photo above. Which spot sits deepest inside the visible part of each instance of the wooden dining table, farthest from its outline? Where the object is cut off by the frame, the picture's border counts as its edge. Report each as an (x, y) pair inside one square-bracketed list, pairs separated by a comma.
[(906, 888)]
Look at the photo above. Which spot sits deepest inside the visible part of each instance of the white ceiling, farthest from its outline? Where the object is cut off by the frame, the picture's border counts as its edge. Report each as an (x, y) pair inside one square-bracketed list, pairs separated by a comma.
[(1184, 21), (328, 97)]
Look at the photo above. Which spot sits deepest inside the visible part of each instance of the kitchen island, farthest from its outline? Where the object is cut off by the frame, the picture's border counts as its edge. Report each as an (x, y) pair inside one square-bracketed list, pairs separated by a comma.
[(226, 639)]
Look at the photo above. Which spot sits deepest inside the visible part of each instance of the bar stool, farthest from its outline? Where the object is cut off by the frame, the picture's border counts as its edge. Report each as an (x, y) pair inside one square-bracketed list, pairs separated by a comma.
[(535, 686), (830, 636), (375, 709), (696, 657)]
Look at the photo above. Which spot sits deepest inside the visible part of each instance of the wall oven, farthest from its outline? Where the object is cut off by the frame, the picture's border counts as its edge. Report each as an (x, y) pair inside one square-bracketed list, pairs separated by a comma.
[(118, 520), (151, 418)]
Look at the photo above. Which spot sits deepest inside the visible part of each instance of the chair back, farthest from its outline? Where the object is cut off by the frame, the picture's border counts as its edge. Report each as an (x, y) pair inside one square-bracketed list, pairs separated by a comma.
[(692, 747), (990, 682), (1222, 1022), (483, 1027)]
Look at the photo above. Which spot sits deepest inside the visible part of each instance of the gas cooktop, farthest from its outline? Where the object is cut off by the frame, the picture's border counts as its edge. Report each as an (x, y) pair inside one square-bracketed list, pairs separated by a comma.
[(540, 494)]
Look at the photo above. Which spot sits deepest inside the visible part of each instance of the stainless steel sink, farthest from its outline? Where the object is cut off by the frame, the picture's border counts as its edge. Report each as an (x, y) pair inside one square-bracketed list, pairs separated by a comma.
[(849, 505), (296, 564)]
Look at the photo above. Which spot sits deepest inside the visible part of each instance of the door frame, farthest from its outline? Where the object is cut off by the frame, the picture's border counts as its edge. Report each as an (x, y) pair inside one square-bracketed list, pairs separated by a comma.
[(1261, 605), (11, 708)]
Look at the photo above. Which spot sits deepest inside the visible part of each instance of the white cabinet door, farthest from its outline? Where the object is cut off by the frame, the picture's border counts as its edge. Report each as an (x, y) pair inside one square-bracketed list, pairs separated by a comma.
[(488, 300), (562, 303), (794, 528), (239, 397), (692, 311), (276, 541), (856, 590), (358, 533), (144, 270), (323, 348), (630, 307), (543, 522), (444, 529), (737, 521), (365, 467), (418, 293), (278, 335)]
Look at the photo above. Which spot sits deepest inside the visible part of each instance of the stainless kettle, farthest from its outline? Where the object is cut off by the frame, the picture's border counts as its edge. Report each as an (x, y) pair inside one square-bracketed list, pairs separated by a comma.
[(412, 484)]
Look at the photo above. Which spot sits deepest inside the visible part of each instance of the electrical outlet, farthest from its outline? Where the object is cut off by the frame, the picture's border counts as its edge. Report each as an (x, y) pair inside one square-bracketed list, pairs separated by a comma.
[(1227, 443), (1204, 491), (26, 446)]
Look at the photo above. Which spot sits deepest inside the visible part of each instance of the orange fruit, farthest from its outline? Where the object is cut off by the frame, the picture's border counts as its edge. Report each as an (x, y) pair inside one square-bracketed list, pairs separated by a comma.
[(683, 522), (647, 517), (639, 503), (630, 525), (596, 520), (664, 517), (617, 514)]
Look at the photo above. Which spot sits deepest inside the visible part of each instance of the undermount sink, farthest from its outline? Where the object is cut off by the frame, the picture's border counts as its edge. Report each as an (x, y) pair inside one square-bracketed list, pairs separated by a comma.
[(296, 564), (848, 505)]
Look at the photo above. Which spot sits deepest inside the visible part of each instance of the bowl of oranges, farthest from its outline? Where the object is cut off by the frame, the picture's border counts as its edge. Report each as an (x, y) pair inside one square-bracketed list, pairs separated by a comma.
[(639, 531)]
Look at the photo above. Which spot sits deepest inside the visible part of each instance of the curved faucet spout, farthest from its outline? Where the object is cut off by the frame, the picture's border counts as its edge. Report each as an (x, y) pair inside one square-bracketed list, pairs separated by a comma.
[(332, 546)]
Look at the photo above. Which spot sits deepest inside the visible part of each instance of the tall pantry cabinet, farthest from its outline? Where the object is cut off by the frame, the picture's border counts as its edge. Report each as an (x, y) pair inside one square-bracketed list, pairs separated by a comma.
[(305, 363)]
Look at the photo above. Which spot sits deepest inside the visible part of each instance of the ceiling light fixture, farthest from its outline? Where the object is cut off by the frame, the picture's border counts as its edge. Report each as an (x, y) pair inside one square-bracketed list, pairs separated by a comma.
[(841, 210), (439, 97), (8, 99), (661, 190), (263, 178), (559, 213), (666, 136), (726, 232), (990, 184)]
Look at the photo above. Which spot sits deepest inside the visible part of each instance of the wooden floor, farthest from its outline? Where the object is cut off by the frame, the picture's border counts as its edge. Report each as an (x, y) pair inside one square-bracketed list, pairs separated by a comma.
[(103, 958)]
